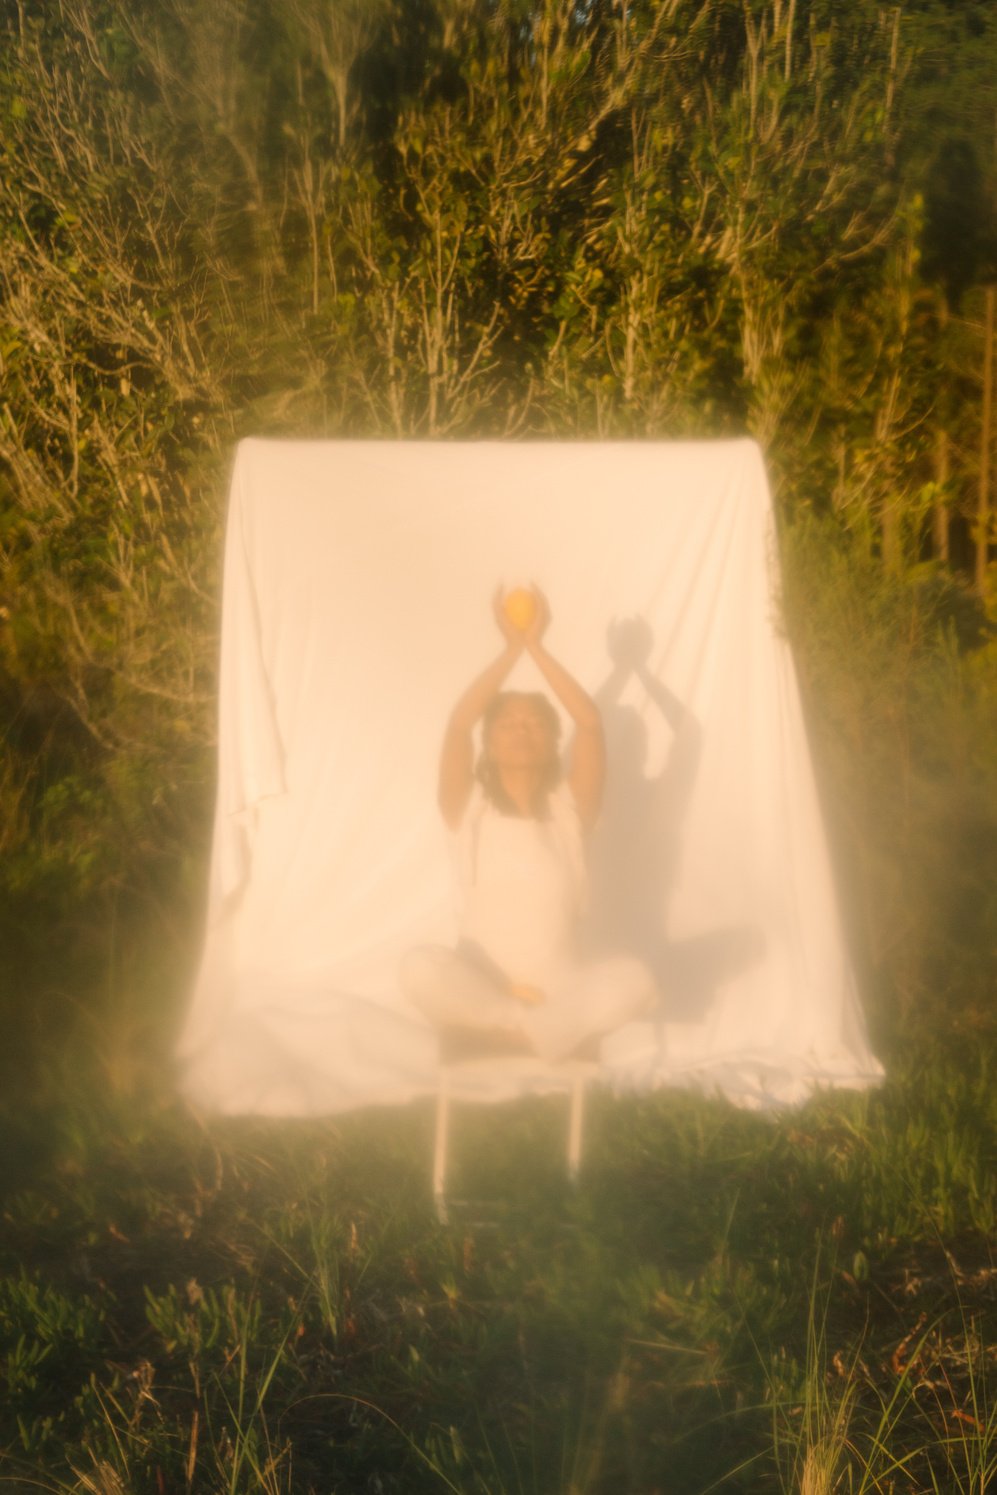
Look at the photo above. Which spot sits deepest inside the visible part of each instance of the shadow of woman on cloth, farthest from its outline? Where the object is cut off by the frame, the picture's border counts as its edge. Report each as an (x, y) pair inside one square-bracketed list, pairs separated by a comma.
[(636, 849)]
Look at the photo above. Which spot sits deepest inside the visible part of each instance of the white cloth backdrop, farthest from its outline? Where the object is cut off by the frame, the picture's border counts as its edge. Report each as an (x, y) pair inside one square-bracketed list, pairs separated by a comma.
[(358, 579)]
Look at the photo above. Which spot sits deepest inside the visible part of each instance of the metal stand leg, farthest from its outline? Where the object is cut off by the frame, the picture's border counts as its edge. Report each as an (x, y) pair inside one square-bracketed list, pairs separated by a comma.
[(440, 1150), (575, 1127)]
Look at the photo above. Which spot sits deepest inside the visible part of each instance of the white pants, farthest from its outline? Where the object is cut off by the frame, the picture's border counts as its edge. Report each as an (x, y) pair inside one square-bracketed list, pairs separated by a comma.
[(586, 1001)]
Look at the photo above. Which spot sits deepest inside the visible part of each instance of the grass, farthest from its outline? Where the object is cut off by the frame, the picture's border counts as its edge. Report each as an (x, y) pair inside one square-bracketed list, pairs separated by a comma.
[(728, 1302)]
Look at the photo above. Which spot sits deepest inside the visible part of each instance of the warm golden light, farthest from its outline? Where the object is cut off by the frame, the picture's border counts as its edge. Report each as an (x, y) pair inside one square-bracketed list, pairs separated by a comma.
[(520, 607)]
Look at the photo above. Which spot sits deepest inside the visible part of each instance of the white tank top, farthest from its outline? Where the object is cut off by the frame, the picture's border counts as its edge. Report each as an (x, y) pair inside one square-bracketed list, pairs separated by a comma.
[(522, 886)]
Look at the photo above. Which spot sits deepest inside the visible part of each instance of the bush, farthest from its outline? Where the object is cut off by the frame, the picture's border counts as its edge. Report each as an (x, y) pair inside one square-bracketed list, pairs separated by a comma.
[(897, 679)]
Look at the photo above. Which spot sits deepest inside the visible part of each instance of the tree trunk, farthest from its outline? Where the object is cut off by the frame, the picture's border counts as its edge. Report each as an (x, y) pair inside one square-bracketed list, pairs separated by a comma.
[(986, 442), (943, 451), (890, 537)]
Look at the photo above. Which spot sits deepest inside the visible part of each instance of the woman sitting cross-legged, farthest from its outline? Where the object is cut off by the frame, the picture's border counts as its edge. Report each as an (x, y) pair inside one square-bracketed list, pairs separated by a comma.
[(519, 826)]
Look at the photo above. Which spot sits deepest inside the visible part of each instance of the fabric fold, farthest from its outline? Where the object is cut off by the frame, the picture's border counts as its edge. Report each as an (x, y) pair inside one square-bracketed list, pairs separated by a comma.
[(358, 579), (250, 755)]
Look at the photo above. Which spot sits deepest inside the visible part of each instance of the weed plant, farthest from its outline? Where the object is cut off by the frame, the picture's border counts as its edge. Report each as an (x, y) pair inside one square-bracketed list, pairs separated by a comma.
[(803, 1303), (899, 676)]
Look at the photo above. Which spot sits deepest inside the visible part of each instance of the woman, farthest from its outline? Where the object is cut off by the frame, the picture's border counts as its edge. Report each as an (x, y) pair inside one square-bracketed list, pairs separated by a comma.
[(519, 825)]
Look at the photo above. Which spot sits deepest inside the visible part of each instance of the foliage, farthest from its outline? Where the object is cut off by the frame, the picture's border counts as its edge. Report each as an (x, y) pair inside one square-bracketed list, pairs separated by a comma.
[(898, 678), (727, 1298)]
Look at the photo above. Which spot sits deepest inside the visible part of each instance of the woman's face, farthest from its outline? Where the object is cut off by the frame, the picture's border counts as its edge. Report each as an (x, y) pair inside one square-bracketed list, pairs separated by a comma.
[(520, 737)]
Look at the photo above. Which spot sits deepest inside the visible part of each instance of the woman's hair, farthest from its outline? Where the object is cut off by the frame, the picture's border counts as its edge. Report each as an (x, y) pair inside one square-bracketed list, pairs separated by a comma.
[(485, 770)]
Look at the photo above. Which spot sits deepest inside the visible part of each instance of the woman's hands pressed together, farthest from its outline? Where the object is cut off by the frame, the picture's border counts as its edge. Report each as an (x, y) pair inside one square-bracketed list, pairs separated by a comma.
[(540, 622), (523, 616), (514, 636)]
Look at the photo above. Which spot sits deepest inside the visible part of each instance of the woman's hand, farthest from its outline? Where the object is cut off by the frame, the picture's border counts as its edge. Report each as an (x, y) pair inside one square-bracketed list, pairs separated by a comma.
[(540, 622), (515, 637)]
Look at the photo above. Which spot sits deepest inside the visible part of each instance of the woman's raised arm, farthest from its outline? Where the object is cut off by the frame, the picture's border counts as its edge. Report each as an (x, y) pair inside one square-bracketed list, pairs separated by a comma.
[(587, 772), (457, 753)]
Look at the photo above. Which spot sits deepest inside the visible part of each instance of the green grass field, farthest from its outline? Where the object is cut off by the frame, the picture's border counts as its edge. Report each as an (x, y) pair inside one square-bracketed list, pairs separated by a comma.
[(727, 1302)]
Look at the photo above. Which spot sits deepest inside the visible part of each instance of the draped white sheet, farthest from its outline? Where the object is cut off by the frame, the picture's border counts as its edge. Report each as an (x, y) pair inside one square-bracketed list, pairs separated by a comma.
[(356, 607)]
